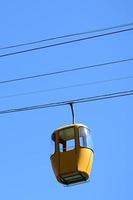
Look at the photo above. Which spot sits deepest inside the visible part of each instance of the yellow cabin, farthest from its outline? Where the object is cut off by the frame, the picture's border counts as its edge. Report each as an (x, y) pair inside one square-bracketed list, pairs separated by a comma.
[(73, 154)]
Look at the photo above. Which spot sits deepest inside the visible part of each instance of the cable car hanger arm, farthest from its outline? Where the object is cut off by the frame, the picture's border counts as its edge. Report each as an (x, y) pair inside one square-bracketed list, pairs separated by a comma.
[(72, 109)]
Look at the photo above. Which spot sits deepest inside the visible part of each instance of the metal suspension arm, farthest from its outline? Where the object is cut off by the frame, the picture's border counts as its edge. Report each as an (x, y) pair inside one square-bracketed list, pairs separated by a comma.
[(72, 109)]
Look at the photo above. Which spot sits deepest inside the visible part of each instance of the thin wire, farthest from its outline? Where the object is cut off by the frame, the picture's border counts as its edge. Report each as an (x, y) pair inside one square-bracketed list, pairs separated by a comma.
[(65, 42), (66, 71), (65, 87), (66, 36), (74, 101)]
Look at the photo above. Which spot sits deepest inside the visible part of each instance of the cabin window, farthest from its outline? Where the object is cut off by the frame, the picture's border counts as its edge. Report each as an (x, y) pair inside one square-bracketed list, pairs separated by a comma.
[(66, 139), (85, 139)]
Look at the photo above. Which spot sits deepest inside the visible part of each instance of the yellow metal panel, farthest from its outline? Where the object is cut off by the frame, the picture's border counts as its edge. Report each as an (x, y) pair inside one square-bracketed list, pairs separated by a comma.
[(85, 160), (88, 169), (55, 164), (67, 162)]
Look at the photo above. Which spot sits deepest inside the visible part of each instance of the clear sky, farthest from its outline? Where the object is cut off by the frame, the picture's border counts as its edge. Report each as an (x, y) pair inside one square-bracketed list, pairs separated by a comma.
[(25, 168)]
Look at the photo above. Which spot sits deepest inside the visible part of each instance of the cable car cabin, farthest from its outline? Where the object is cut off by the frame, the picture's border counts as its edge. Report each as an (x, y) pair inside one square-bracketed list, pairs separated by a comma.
[(73, 156)]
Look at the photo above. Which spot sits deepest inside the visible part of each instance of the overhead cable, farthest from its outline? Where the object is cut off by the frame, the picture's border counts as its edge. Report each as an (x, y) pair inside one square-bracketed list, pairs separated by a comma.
[(67, 36), (66, 87), (74, 101), (66, 42), (66, 71)]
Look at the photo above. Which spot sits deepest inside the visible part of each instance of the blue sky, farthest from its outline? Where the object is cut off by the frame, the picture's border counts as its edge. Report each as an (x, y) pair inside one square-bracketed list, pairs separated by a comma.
[(25, 168)]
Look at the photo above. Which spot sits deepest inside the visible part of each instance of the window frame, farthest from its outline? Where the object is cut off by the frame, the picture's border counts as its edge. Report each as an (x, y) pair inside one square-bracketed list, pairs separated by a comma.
[(74, 139)]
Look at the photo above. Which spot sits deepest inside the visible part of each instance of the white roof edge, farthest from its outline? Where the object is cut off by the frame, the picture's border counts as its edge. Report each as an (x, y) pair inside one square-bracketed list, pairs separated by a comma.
[(66, 126)]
